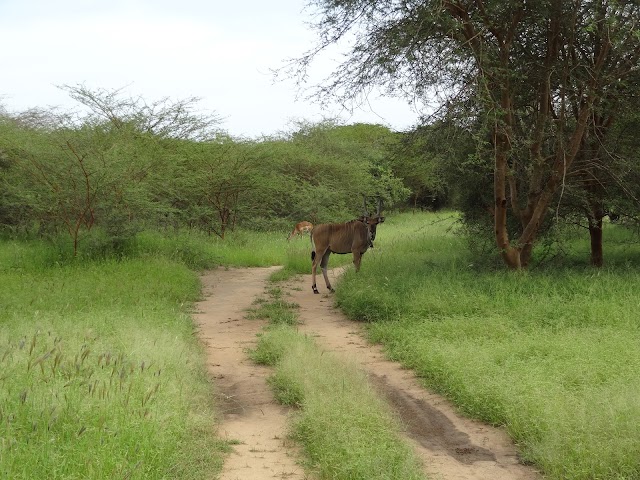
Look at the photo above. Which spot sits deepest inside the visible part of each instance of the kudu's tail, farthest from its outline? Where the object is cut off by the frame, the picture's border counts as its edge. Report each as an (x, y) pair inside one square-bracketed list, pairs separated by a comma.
[(313, 247)]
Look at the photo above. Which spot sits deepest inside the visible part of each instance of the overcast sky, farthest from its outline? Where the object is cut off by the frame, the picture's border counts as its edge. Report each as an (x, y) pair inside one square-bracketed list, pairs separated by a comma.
[(221, 51)]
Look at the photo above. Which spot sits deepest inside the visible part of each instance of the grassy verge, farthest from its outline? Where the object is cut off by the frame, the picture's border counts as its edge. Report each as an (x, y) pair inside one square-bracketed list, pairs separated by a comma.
[(100, 372), (551, 354), (347, 431), (194, 249)]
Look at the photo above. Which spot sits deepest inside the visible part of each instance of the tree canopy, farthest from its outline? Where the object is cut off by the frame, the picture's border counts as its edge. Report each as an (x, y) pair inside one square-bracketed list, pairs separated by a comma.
[(533, 81), (126, 165)]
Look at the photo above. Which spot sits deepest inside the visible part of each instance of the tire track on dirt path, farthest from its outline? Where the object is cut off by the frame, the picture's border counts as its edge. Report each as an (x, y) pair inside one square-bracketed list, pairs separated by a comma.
[(251, 419), (451, 447)]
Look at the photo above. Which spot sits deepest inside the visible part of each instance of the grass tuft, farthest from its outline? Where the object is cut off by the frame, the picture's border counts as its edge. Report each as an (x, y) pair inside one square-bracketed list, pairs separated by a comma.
[(347, 431)]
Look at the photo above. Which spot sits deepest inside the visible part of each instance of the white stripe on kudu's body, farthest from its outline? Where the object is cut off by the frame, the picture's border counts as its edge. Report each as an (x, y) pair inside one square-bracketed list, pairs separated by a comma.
[(353, 237)]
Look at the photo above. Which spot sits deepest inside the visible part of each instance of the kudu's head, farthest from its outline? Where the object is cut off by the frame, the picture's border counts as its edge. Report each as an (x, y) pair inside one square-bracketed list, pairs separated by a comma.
[(372, 222)]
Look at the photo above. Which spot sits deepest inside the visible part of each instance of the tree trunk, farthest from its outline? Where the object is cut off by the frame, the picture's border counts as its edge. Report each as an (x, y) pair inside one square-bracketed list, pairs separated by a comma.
[(509, 253), (595, 233)]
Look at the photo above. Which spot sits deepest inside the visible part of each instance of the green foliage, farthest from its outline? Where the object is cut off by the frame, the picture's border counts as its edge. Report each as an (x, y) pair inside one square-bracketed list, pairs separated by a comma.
[(622, 198), (547, 353), (125, 167), (75, 179), (431, 160), (320, 173), (213, 185)]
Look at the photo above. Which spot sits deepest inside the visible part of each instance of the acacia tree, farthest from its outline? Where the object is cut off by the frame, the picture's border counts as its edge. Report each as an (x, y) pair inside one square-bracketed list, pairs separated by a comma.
[(535, 73), (217, 182), (108, 167), (163, 118), (69, 177)]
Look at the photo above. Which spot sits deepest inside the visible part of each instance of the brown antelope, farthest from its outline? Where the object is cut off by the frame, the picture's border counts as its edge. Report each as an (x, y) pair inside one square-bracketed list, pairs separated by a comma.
[(353, 237), (300, 229)]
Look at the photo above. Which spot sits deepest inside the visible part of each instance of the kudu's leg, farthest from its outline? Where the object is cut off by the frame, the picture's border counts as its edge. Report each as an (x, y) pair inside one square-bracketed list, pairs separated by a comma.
[(316, 257), (357, 257), (323, 264)]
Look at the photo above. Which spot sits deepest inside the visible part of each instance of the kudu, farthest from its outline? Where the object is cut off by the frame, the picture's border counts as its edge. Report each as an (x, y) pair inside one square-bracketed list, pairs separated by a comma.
[(300, 229), (353, 237)]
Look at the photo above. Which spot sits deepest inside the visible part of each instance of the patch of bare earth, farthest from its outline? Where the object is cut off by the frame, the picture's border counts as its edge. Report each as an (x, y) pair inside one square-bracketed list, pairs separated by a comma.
[(450, 446), (251, 420)]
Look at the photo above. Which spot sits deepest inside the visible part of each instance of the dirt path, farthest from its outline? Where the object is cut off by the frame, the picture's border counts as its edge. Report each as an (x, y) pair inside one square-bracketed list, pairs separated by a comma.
[(251, 419), (451, 447)]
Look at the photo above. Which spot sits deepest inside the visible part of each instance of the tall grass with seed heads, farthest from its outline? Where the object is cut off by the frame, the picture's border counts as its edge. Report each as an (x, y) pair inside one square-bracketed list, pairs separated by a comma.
[(101, 375)]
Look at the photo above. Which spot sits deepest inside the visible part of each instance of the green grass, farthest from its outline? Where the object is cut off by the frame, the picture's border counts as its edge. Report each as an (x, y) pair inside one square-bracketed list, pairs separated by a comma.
[(101, 375), (276, 310), (552, 353), (347, 431), (240, 248), (194, 249), (100, 371)]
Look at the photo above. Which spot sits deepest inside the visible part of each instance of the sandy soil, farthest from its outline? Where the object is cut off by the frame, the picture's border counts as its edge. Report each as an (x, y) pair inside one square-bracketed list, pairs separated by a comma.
[(451, 446)]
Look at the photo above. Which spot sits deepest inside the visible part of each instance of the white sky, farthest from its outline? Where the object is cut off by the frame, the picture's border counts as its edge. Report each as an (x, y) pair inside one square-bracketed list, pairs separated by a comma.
[(221, 51)]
